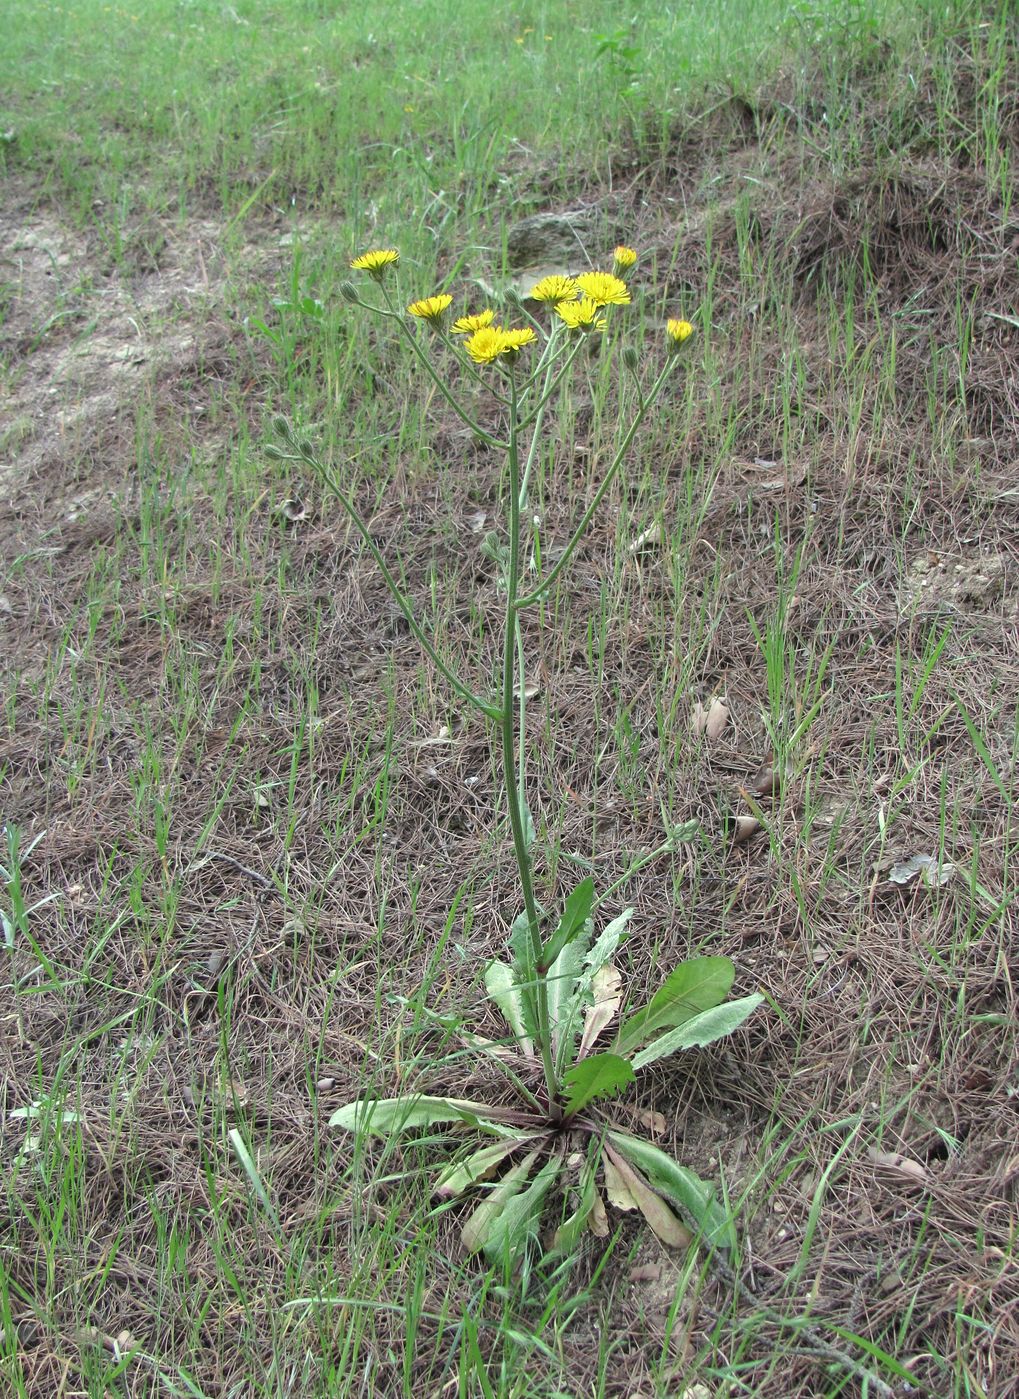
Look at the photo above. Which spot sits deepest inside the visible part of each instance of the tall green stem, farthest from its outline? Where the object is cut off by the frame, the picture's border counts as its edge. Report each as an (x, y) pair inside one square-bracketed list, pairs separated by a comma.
[(510, 778)]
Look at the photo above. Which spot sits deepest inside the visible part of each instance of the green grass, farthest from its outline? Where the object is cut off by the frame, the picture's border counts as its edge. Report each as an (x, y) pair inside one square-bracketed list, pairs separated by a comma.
[(239, 807), (139, 112)]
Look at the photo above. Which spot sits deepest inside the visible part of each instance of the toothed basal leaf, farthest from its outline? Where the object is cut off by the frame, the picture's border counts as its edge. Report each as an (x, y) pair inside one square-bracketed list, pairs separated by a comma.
[(600, 1076)]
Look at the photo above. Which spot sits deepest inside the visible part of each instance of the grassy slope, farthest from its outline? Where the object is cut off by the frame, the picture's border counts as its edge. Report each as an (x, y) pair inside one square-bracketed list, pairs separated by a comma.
[(213, 719)]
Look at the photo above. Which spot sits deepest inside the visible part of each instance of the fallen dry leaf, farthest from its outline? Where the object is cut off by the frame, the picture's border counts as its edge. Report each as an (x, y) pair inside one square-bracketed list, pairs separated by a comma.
[(926, 866), (709, 720), (718, 717), (766, 783), (292, 510), (895, 1161), (651, 538), (743, 827)]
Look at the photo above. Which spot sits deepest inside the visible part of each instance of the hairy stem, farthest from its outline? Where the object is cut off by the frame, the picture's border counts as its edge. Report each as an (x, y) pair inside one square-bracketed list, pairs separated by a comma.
[(513, 793)]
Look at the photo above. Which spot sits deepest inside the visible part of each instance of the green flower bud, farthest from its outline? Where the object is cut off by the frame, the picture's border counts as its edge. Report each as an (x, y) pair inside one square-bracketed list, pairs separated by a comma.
[(349, 293), (631, 359), (306, 449), (274, 453), (281, 427)]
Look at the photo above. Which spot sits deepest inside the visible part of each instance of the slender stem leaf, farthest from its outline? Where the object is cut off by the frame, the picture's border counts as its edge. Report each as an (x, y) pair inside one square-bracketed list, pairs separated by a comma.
[(576, 915)]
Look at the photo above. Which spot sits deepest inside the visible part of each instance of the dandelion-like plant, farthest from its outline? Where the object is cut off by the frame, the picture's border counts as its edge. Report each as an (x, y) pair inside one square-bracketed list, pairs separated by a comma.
[(572, 1043)]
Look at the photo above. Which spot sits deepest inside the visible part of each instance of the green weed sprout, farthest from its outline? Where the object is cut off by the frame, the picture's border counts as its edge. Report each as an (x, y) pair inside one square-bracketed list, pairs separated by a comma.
[(572, 1043)]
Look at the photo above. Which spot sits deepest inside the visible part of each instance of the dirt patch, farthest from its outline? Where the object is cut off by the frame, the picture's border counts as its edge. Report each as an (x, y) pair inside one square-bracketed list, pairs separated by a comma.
[(984, 583), (91, 344)]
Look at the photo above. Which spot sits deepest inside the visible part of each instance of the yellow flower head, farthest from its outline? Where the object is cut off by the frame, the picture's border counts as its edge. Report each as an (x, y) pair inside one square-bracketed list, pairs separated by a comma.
[(582, 315), (623, 259), (554, 290), (376, 262), (467, 325), (603, 288), (513, 341), (486, 344), (431, 308), (678, 331)]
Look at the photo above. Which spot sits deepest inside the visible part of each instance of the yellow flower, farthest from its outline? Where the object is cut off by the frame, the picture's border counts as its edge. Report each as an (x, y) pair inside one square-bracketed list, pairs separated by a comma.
[(466, 325), (623, 259), (486, 344), (554, 290), (678, 331), (603, 288), (431, 308), (376, 262), (513, 341), (582, 315)]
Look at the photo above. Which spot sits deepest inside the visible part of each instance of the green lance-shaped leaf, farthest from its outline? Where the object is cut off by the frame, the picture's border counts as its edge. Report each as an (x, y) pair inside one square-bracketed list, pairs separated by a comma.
[(563, 999), (514, 1001), (651, 1205), (518, 1219), (604, 947), (389, 1117), (479, 1165), (599, 1076), (482, 1219), (696, 985), (575, 916), (675, 1182), (569, 1233), (710, 1025)]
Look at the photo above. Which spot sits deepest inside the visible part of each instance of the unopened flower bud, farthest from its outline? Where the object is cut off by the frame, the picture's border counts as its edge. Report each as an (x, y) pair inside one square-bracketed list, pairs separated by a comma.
[(306, 449), (349, 293), (274, 453), (631, 359), (281, 427)]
